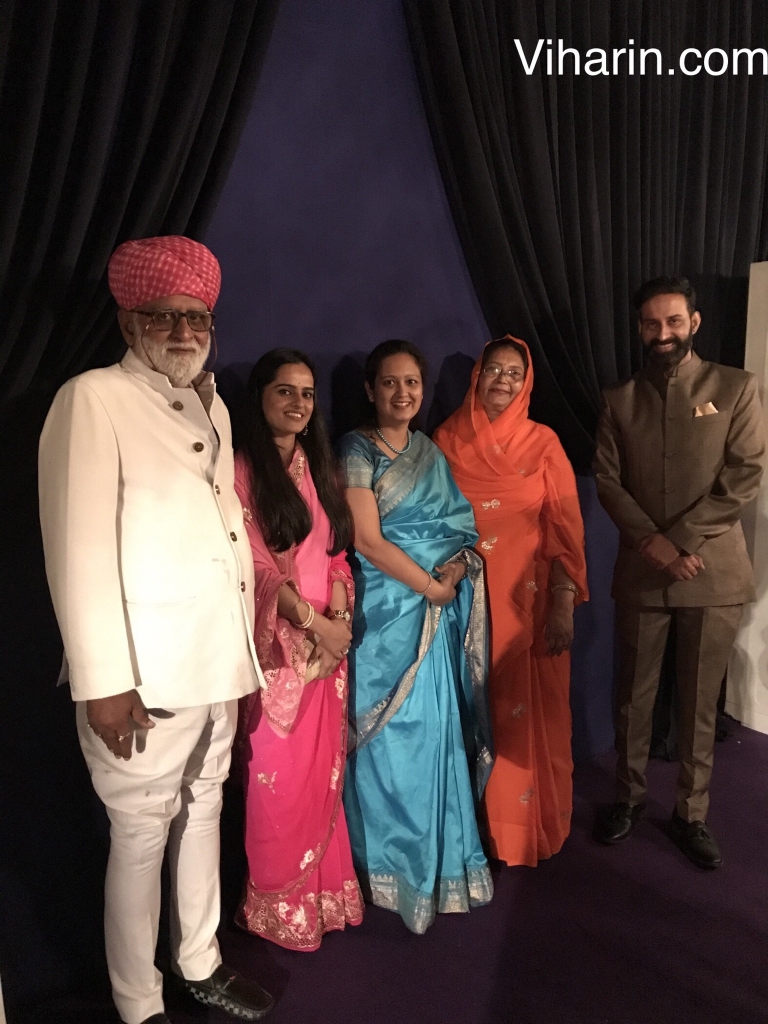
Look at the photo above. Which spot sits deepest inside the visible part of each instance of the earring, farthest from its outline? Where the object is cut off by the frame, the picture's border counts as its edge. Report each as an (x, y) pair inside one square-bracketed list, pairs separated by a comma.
[(305, 431)]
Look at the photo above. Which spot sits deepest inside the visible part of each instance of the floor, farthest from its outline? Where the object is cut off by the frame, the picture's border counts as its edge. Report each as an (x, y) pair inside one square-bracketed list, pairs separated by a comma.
[(625, 935)]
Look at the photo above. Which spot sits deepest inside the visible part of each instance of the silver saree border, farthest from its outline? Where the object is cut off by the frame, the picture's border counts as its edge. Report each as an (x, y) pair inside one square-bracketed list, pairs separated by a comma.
[(418, 909)]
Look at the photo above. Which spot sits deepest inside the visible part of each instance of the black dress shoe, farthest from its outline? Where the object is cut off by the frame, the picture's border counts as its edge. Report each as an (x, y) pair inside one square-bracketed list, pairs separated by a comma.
[(696, 841), (157, 1018), (233, 993), (617, 823)]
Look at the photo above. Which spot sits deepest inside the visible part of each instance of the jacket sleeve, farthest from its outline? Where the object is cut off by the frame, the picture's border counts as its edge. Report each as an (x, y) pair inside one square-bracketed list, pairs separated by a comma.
[(738, 481), (79, 475), (633, 523)]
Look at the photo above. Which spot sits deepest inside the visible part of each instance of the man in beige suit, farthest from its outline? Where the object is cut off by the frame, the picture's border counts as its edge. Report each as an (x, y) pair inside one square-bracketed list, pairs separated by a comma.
[(679, 454), (151, 576)]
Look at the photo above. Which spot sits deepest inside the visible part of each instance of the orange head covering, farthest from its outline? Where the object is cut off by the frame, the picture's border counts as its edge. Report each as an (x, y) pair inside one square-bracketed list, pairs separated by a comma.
[(515, 469), (151, 268), (469, 438), (510, 426)]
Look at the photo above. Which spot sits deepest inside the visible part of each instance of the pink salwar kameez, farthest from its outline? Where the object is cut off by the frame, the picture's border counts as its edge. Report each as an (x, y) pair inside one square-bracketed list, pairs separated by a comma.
[(293, 742)]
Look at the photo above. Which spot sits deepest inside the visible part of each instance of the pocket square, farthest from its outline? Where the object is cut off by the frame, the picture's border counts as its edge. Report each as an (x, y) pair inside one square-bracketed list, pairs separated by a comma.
[(708, 409)]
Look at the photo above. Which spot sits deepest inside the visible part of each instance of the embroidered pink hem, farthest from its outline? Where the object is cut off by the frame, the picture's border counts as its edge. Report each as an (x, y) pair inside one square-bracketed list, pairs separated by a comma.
[(299, 921)]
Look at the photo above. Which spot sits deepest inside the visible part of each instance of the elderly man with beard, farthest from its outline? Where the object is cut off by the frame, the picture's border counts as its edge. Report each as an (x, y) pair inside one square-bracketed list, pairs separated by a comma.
[(679, 454), (151, 576)]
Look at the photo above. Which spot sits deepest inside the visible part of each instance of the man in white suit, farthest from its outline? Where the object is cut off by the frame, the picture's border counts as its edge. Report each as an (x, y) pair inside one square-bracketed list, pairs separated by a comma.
[(151, 577)]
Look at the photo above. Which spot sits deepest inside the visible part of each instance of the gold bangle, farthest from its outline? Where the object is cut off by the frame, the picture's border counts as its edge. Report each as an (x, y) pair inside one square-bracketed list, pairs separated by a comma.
[(431, 579)]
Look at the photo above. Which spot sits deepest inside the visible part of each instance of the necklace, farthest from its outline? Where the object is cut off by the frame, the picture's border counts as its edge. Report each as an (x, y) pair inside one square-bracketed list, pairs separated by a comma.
[(397, 451)]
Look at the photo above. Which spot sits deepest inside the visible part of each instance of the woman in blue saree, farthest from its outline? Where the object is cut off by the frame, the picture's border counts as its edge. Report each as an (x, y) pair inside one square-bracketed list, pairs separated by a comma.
[(420, 745)]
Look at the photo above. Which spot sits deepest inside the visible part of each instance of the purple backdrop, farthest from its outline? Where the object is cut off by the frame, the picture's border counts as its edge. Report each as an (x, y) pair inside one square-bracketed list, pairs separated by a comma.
[(334, 233)]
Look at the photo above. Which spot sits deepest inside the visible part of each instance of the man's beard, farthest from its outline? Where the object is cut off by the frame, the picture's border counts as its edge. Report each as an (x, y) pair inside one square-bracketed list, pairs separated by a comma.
[(180, 368), (675, 355)]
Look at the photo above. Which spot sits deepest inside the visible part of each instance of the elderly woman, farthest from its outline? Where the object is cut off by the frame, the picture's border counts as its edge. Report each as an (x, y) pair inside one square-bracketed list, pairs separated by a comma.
[(523, 492), (417, 666), (301, 882)]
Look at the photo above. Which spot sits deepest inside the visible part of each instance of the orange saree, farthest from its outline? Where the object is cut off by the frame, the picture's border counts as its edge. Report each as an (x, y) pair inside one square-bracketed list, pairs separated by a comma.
[(523, 492)]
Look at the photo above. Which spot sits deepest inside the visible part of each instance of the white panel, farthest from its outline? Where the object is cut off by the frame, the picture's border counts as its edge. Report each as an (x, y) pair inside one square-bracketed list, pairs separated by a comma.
[(747, 698)]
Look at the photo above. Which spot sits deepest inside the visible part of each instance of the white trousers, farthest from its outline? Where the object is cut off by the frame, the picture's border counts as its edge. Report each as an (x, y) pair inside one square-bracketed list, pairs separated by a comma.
[(168, 793)]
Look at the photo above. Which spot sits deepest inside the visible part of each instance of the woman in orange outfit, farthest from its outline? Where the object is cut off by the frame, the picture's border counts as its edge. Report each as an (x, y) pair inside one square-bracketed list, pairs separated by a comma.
[(523, 492)]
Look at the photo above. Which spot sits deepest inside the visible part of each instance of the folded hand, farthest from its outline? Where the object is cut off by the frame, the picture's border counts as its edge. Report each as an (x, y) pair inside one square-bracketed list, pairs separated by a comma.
[(328, 660), (442, 590), (657, 550), (685, 567), (453, 571)]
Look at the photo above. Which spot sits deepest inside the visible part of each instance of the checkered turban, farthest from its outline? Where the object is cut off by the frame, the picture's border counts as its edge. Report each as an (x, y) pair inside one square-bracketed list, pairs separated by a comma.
[(151, 268)]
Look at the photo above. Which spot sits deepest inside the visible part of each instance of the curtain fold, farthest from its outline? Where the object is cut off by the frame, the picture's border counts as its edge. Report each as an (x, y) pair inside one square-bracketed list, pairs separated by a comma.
[(122, 120), (568, 190)]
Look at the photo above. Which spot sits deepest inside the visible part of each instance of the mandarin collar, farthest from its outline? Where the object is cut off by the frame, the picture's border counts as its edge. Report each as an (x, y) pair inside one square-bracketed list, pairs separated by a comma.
[(657, 375), (204, 384)]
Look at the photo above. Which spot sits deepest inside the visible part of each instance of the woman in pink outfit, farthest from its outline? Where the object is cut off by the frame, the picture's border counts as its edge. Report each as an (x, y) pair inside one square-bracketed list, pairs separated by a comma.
[(293, 734)]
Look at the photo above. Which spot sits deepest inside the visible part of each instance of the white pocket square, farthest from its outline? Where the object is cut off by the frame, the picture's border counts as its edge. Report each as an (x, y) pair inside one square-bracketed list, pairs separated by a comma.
[(708, 409)]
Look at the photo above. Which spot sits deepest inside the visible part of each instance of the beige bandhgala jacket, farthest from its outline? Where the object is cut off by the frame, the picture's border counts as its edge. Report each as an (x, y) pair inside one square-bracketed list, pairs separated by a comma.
[(147, 558), (682, 456)]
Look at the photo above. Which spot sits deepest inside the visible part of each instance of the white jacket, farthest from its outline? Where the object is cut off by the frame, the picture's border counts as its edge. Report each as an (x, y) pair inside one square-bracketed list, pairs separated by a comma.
[(147, 558)]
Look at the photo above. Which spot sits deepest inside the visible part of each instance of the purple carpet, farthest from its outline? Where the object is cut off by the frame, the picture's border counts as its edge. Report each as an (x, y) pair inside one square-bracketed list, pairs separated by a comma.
[(626, 935)]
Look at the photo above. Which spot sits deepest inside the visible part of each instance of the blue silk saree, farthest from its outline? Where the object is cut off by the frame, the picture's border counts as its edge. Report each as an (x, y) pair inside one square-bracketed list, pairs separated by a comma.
[(420, 742)]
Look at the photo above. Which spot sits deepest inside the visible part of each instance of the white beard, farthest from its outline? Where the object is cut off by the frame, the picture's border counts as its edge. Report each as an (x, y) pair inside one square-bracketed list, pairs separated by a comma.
[(180, 368)]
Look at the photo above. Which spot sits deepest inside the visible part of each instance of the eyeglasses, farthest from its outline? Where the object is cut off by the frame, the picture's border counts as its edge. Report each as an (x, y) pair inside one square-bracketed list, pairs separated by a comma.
[(514, 373), (165, 320)]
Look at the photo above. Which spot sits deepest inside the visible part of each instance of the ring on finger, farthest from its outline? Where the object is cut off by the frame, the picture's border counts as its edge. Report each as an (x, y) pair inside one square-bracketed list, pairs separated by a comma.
[(121, 738)]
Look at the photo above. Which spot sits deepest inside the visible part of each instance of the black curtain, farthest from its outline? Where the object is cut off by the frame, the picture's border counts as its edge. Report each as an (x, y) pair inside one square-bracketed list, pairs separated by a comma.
[(119, 120), (569, 190)]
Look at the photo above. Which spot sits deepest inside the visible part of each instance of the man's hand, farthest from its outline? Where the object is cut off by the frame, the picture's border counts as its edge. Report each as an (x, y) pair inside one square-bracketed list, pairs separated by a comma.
[(685, 567), (113, 719), (658, 551)]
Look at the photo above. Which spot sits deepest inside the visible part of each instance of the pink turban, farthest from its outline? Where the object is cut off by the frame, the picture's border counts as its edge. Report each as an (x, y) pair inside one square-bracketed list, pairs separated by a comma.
[(151, 268)]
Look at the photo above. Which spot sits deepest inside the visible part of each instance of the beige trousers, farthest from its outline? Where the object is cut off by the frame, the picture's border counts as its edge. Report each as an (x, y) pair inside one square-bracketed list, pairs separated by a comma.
[(704, 640), (168, 793)]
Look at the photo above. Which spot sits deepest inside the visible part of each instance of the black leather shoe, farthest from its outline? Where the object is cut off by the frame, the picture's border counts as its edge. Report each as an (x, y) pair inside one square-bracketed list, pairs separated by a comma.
[(157, 1018), (233, 993), (616, 825), (696, 841)]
